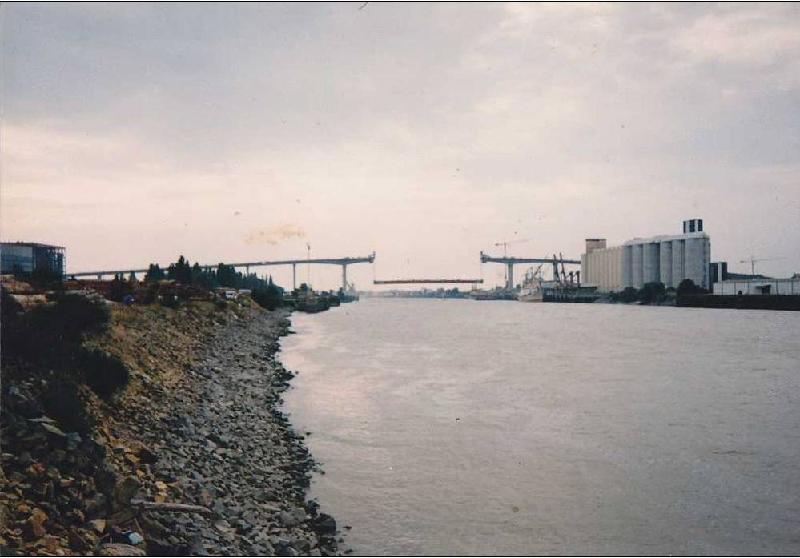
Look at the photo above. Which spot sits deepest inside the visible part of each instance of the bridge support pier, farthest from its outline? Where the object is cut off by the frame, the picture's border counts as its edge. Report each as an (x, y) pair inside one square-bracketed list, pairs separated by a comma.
[(294, 276), (510, 278), (344, 277)]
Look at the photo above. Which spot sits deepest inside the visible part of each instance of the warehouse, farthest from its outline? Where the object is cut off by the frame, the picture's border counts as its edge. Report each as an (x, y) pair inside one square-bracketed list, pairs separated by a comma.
[(763, 286), (668, 259)]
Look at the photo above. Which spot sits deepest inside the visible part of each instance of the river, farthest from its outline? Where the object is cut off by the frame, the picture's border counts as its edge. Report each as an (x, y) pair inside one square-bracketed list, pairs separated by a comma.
[(464, 427)]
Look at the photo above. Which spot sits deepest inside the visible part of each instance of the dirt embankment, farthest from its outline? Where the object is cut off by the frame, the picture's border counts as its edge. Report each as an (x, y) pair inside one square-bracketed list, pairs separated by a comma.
[(197, 425)]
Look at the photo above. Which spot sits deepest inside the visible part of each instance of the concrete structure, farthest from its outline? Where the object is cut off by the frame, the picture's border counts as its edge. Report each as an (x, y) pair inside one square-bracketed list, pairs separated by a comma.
[(344, 262), (509, 261), (666, 259), (764, 286), (606, 267), (28, 257)]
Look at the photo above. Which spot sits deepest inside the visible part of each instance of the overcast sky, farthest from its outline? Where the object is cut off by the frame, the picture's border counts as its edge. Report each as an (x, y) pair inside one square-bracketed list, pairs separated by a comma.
[(133, 133)]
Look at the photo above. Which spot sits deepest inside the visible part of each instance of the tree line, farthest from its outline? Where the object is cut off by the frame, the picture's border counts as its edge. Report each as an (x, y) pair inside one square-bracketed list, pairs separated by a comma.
[(657, 293), (264, 291)]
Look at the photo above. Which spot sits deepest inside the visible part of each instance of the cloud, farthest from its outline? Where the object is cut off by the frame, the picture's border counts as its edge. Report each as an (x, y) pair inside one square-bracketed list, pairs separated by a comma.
[(430, 129)]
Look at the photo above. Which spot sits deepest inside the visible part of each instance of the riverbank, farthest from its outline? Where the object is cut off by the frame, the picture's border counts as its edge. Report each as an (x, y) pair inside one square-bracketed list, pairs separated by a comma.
[(193, 456)]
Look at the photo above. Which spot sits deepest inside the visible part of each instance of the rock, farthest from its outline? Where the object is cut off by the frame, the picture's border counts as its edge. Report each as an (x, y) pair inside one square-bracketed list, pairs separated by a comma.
[(98, 526), (34, 526), (105, 479), (24, 459), (97, 505), (288, 519), (325, 524), (73, 440), (26, 406), (76, 541), (53, 430), (118, 549), (134, 538), (147, 457), (299, 514), (125, 491)]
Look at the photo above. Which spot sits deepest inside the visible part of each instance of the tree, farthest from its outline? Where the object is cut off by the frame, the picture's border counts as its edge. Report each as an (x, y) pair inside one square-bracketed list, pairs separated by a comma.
[(629, 295), (201, 278), (180, 271), (154, 273), (269, 296), (119, 288), (688, 287), (227, 276), (652, 293)]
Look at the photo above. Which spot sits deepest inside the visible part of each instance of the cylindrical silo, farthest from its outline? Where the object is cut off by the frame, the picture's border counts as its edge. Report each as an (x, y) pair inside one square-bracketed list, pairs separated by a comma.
[(638, 266), (694, 260), (666, 264), (627, 266), (650, 262), (678, 273)]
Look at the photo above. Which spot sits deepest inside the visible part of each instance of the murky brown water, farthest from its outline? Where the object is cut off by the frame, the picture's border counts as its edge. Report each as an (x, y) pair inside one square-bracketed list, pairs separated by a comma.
[(462, 427)]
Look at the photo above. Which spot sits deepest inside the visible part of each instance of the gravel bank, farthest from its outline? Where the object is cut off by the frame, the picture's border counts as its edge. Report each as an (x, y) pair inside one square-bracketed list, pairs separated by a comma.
[(224, 444), (197, 424)]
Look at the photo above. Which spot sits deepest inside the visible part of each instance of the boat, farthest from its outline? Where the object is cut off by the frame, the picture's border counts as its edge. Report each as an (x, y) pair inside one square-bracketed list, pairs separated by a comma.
[(532, 286), (350, 294), (535, 289)]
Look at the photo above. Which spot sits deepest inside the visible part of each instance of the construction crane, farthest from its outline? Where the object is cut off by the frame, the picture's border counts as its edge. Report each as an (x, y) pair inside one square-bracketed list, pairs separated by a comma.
[(752, 261), (505, 244)]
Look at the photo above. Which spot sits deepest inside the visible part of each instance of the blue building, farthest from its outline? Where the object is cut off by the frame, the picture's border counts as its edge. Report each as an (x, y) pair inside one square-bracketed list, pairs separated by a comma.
[(25, 258)]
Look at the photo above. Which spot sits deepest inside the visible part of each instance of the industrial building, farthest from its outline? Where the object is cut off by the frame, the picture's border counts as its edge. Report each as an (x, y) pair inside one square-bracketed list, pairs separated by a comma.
[(668, 259), (765, 286), (29, 257)]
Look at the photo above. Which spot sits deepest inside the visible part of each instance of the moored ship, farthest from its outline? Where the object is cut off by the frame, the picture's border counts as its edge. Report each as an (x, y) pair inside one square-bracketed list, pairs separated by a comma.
[(532, 286)]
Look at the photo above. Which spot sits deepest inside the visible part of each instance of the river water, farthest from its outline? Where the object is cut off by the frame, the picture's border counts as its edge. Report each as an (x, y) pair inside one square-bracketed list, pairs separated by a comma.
[(464, 427)]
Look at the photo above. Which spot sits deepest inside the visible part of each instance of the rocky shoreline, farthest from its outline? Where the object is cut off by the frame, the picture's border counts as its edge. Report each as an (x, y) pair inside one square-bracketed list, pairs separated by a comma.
[(229, 448), (194, 457)]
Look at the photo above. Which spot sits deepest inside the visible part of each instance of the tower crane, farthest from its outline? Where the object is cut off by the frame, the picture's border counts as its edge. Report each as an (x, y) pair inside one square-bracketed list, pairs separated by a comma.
[(506, 243), (753, 260)]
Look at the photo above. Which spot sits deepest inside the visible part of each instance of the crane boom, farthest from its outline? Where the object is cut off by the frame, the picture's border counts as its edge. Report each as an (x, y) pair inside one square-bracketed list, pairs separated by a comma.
[(752, 261)]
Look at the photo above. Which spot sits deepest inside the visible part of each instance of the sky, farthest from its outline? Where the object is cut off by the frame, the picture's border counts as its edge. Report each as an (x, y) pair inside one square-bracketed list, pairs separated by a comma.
[(132, 133)]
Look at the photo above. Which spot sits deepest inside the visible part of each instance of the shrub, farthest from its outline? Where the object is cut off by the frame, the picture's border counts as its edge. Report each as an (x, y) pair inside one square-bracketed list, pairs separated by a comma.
[(105, 374), (52, 332), (62, 401), (269, 297), (652, 293), (76, 314), (629, 295), (688, 287)]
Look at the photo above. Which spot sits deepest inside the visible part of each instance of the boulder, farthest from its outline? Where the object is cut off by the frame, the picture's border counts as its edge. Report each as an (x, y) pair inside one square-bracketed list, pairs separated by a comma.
[(34, 525), (326, 525)]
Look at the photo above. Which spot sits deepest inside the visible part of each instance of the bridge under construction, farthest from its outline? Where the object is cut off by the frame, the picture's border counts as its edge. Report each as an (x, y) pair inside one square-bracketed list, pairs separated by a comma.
[(425, 281), (344, 262), (510, 261)]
